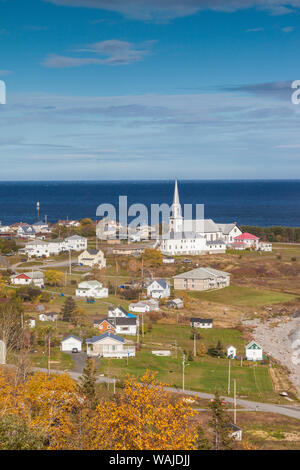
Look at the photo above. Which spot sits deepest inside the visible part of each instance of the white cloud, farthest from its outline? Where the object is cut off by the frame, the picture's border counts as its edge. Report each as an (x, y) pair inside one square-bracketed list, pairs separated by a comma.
[(111, 52), (168, 9)]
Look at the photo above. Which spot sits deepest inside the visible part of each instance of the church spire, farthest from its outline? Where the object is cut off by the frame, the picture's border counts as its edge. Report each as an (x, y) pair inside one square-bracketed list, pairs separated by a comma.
[(176, 207), (176, 194)]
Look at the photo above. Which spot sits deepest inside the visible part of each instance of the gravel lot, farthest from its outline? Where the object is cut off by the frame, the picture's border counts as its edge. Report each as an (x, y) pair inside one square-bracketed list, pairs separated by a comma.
[(281, 342)]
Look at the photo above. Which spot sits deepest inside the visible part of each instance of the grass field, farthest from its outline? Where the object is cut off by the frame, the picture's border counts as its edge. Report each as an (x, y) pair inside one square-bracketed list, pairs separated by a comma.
[(204, 374), (61, 360), (242, 296)]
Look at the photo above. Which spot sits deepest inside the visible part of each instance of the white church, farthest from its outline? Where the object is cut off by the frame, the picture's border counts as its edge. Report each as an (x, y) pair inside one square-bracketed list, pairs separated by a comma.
[(195, 237)]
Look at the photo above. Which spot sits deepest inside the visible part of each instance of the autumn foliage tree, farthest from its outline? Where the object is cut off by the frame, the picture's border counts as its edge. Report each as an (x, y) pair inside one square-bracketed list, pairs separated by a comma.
[(142, 418), (54, 278)]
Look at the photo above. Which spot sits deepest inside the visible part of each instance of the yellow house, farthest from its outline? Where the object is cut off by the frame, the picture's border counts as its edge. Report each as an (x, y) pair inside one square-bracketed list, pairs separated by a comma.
[(91, 258)]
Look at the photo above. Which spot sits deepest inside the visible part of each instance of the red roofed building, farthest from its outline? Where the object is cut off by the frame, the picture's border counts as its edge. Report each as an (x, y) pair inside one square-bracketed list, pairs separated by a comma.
[(251, 241)]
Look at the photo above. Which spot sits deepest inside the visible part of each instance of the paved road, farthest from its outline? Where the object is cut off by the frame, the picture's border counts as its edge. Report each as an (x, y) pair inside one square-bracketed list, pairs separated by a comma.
[(290, 411), (53, 264)]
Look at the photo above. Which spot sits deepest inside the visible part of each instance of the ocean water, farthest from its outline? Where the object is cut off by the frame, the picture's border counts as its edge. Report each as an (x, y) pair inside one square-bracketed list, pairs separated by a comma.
[(262, 203)]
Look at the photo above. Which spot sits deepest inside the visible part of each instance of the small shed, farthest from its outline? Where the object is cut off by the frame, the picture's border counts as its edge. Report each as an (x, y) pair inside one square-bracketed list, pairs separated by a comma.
[(231, 352), (201, 322), (71, 342), (235, 432), (175, 303), (254, 351)]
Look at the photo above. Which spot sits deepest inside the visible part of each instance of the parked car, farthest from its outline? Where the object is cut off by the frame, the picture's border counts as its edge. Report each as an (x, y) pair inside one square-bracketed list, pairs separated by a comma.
[(74, 350)]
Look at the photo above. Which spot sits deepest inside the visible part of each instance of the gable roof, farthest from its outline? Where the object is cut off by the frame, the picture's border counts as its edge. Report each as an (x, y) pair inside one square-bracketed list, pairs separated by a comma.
[(75, 237), (112, 309), (124, 321), (226, 228), (201, 320), (161, 282), (253, 345), (95, 339), (72, 336), (246, 236), (201, 273), (89, 285), (108, 320)]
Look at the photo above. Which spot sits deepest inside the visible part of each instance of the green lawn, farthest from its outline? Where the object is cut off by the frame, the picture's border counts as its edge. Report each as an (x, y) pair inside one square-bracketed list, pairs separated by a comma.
[(204, 374), (242, 296), (62, 361)]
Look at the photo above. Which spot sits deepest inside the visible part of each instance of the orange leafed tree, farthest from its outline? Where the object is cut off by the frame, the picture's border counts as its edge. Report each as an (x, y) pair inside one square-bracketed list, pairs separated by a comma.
[(52, 399), (142, 418)]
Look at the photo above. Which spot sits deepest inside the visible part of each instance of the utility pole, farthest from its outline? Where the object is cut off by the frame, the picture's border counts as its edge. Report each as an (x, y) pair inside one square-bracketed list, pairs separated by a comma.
[(143, 324), (195, 350), (234, 401), (49, 355), (114, 385), (229, 377), (183, 367), (70, 262)]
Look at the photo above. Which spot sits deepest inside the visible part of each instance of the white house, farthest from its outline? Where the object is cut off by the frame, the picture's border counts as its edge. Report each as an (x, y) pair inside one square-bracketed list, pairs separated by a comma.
[(144, 306), (26, 231), (48, 316), (265, 246), (158, 289), (92, 258), (36, 278), (109, 345), (69, 223), (201, 322), (125, 326), (41, 248), (41, 227), (76, 243), (31, 322), (119, 311), (71, 342), (231, 352), (254, 352), (250, 241), (91, 289)]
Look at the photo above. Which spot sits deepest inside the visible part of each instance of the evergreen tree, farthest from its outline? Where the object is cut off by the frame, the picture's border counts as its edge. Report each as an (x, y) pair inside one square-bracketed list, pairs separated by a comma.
[(88, 382), (219, 424), (202, 441), (68, 309), (216, 351)]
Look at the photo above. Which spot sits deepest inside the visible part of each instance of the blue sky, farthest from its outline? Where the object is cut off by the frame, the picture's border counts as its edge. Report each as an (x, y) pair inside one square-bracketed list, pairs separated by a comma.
[(137, 89)]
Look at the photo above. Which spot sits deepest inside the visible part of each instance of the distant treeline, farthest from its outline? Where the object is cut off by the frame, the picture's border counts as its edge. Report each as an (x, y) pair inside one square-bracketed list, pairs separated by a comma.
[(274, 234)]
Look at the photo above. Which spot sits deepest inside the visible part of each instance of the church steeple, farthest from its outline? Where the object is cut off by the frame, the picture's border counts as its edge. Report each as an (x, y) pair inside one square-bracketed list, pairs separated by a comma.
[(176, 194), (176, 216), (176, 207)]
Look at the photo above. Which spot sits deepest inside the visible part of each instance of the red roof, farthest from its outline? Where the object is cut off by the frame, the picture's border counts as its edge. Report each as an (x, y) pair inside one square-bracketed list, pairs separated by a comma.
[(246, 236), (22, 276)]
